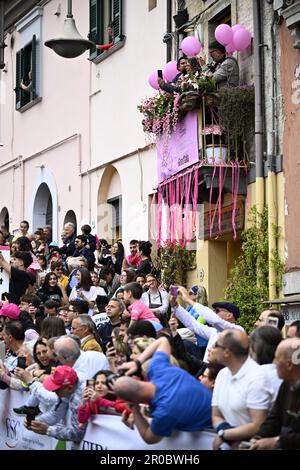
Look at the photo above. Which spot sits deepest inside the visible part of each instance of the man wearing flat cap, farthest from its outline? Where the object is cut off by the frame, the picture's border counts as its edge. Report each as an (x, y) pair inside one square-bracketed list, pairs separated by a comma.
[(224, 70), (223, 317)]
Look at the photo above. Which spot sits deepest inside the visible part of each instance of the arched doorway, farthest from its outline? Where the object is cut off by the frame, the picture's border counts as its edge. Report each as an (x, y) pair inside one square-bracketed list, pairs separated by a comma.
[(71, 217), (4, 218), (109, 216), (42, 208)]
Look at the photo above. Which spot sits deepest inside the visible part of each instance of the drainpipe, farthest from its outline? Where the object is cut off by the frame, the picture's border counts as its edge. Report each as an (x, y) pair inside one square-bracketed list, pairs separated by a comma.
[(260, 191), (272, 180), (169, 29)]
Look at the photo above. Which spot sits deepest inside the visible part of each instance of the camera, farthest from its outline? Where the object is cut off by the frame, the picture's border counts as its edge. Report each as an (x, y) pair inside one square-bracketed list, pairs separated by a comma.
[(30, 416), (21, 362), (90, 383)]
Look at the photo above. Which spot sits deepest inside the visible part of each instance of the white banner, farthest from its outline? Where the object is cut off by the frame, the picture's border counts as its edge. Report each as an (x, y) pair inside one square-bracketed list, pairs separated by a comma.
[(4, 276), (104, 432), (13, 434)]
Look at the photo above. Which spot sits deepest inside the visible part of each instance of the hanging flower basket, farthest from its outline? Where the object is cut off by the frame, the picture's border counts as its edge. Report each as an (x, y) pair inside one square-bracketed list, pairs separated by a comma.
[(212, 99), (188, 101)]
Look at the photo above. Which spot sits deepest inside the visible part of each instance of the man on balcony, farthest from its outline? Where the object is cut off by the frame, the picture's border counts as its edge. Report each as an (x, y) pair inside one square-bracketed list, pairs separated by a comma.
[(224, 69)]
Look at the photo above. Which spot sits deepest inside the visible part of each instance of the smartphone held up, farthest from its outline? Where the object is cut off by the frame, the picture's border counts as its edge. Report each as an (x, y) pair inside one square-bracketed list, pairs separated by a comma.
[(174, 291)]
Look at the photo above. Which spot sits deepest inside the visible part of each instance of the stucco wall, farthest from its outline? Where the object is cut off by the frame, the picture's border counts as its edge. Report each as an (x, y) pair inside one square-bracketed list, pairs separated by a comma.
[(290, 61)]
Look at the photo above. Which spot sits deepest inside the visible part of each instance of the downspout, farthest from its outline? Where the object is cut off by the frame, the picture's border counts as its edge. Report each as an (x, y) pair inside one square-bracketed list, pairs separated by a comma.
[(260, 190), (272, 179), (169, 29)]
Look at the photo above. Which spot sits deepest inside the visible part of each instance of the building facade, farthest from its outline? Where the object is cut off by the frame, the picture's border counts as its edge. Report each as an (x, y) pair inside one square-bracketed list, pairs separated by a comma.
[(73, 148)]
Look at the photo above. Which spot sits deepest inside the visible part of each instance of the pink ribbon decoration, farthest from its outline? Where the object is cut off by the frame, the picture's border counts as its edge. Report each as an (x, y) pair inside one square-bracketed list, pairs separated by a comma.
[(210, 198)]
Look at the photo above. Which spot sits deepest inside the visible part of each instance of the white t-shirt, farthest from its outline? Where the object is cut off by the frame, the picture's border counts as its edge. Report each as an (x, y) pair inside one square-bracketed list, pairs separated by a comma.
[(235, 394), (88, 363), (274, 382), (100, 319), (91, 295)]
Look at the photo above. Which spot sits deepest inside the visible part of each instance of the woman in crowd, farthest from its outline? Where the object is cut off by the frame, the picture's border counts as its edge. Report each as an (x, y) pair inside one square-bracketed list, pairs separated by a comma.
[(52, 327), (117, 256), (156, 299), (57, 268), (52, 290), (127, 275), (84, 290), (96, 399)]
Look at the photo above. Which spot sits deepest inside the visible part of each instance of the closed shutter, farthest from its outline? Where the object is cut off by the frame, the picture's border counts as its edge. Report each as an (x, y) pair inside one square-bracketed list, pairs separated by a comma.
[(33, 68), (19, 74), (117, 20), (94, 26)]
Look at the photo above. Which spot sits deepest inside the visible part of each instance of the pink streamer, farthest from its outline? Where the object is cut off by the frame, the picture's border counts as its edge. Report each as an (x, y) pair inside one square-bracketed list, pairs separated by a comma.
[(209, 206), (188, 181), (195, 199)]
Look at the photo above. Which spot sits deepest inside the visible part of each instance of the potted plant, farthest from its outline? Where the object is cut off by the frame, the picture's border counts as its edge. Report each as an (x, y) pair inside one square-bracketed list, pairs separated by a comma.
[(216, 150)]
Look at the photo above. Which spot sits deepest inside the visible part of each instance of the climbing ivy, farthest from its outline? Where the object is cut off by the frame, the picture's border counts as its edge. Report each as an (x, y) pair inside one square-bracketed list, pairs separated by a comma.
[(248, 284)]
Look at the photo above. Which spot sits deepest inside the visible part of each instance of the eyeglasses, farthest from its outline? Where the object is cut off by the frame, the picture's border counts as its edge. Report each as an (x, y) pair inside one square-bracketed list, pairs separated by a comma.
[(217, 345)]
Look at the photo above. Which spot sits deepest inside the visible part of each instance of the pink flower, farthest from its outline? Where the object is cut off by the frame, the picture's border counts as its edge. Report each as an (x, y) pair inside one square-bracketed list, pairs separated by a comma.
[(213, 129)]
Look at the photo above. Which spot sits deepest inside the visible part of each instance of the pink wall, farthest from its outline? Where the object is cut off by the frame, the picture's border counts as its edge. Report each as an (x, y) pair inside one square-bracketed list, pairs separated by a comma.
[(290, 59)]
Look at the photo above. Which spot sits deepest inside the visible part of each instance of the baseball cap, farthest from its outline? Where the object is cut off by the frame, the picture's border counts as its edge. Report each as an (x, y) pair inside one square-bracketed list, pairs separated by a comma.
[(194, 290), (53, 245), (228, 306), (62, 376), (10, 311)]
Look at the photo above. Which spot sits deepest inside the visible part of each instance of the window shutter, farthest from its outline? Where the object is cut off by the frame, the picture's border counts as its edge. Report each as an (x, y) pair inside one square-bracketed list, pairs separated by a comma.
[(94, 26), (117, 20), (19, 63), (33, 68)]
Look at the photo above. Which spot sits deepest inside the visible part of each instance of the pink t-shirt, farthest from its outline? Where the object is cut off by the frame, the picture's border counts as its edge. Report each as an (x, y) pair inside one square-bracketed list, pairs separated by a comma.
[(134, 260), (140, 311)]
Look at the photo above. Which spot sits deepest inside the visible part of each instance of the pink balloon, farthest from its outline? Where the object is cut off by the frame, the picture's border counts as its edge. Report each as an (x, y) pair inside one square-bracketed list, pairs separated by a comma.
[(224, 34), (152, 80), (241, 39), (230, 48), (236, 27), (191, 46), (170, 70)]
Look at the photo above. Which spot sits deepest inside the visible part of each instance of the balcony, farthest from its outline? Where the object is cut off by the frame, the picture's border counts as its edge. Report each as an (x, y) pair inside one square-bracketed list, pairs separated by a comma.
[(203, 144)]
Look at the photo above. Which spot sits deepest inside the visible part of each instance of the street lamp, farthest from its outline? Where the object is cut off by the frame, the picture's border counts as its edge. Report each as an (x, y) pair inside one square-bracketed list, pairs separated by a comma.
[(70, 43)]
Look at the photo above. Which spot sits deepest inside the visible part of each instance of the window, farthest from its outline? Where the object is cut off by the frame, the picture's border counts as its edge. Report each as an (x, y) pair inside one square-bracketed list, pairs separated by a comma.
[(116, 203), (105, 24), (223, 17), (26, 74)]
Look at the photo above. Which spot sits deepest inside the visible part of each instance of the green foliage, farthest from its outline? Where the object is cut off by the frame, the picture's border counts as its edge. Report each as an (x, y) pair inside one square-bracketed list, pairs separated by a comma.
[(174, 262), (248, 285), (237, 111)]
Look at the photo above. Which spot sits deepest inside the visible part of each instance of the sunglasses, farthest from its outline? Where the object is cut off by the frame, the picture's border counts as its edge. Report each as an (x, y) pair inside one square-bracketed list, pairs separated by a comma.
[(217, 345)]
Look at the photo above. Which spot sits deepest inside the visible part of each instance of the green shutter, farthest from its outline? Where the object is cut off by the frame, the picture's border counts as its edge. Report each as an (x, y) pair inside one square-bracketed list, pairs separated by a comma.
[(19, 74), (33, 68), (117, 20), (94, 34)]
